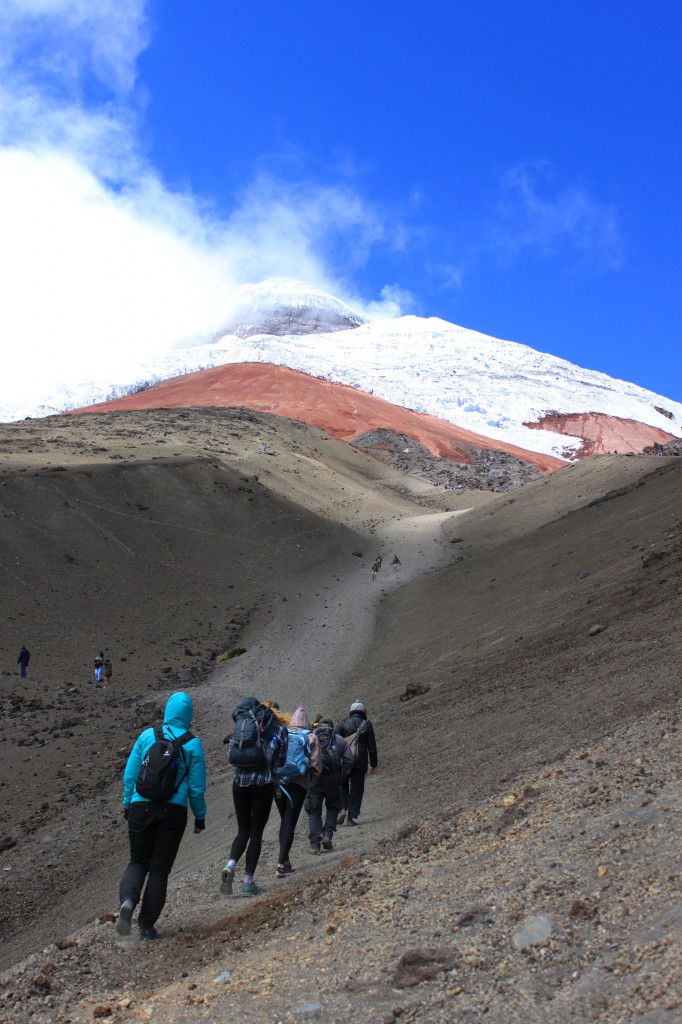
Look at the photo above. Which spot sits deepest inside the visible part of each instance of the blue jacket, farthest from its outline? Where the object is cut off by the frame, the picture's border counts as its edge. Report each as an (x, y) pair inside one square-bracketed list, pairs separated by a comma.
[(176, 721)]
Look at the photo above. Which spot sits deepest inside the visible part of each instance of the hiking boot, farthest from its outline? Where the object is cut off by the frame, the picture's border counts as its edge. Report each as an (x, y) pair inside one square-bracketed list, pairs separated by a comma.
[(124, 917), (251, 889), (284, 869), (341, 818), (227, 881), (352, 821), (315, 848), (149, 933), (327, 843)]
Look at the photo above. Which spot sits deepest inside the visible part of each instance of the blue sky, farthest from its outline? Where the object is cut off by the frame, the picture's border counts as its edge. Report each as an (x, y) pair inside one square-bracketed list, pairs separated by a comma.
[(514, 168)]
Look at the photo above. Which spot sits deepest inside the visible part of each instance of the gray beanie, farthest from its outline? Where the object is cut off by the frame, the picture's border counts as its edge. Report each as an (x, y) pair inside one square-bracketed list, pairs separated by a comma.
[(357, 706)]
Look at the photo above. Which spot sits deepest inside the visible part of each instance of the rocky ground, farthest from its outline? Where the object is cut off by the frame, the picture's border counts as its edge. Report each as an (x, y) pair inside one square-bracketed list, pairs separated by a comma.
[(672, 447), (488, 470), (518, 857), (557, 899)]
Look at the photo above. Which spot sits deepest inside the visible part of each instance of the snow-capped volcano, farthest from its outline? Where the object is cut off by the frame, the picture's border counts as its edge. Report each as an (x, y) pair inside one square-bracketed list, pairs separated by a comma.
[(495, 388), (489, 386)]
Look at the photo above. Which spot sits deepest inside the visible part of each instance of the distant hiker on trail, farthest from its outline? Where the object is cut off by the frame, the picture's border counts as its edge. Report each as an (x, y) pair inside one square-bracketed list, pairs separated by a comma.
[(302, 768), (337, 761), (396, 564), (259, 746), (99, 665), (165, 770), (106, 668), (376, 565), (23, 660), (359, 731), (378, 560)]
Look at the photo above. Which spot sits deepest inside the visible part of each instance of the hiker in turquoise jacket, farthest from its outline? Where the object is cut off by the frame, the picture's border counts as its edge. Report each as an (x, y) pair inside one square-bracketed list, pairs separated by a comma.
[(156, 828), (176, 721)]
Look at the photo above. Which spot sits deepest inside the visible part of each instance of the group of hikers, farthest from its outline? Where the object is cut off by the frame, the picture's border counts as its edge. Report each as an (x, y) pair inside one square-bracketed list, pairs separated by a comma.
[(277, 758), (103, 669), (376, 565)]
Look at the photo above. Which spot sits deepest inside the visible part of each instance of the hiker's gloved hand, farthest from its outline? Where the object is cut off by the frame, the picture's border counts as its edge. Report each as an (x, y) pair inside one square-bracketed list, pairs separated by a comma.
[(126, 812), (199, 825)]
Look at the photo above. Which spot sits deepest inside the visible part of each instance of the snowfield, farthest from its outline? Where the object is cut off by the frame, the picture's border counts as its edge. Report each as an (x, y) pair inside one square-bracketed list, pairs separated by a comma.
[(478, 382)]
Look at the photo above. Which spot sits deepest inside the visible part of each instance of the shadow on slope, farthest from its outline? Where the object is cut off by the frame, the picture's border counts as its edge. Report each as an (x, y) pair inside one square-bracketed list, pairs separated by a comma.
[(559, 621)]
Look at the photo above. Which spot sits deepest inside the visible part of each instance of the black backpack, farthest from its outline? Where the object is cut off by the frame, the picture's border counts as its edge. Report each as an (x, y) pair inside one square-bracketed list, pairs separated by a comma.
[(331, 755), (254, 725), (160, 773)]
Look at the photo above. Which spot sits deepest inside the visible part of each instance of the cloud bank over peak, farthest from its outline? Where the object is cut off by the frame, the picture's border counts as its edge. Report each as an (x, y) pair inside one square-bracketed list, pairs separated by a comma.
[(98, 256)]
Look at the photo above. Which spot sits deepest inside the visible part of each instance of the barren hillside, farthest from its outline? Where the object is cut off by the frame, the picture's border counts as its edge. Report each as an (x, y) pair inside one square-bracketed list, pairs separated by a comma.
[(533, 777)]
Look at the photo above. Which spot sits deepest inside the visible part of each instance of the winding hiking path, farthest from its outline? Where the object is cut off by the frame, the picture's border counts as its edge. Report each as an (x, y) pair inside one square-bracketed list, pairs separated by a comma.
[(308, 650)]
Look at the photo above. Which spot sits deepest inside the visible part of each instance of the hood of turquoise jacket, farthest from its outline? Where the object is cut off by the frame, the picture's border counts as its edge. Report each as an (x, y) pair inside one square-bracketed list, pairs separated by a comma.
[(178, 713)]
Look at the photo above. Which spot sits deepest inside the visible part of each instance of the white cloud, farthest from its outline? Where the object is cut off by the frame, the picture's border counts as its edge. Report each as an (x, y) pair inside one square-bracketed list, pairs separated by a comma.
[(452, 277), (89, 276), (570, 220), (51, 54), (64, 40), (98, 258), (395, 301), (281, 225)]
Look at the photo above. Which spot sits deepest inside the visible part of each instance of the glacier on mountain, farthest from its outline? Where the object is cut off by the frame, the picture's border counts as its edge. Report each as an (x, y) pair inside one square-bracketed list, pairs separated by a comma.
[(483, 384)]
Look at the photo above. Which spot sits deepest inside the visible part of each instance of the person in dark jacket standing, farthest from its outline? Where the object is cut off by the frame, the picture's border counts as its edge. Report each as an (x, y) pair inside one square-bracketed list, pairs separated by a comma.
[(353, 787), (23, 660), (155, 828), (325, 790)]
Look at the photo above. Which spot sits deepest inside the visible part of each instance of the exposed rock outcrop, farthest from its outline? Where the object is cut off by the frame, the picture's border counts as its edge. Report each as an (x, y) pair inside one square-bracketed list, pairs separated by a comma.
[(284, 308), (672, 447), (602, 434), (478, 469), (289, 320)]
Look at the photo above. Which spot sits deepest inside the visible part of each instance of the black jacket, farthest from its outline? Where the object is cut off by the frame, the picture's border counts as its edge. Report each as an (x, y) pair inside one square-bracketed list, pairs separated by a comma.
[(367, 745)]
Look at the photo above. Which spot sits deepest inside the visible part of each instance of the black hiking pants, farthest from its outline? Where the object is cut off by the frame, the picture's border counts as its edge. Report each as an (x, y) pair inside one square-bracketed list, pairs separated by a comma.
[(325, 792), (352, 792), (252, 806), (289, 811), (155, 831)]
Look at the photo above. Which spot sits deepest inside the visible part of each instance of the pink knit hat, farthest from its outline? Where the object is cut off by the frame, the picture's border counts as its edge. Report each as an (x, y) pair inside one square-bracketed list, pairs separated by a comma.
[(299, 719)]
